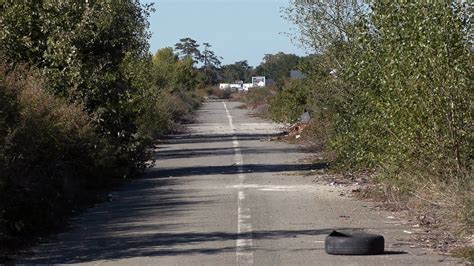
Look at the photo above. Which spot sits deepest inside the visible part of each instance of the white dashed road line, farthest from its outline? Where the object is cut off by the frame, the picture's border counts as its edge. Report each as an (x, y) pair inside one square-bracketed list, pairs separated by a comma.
[(244, 243)]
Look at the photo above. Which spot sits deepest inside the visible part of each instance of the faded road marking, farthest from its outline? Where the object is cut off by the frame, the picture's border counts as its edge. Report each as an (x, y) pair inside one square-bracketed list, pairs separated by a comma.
[(244, 243), (291, 188)]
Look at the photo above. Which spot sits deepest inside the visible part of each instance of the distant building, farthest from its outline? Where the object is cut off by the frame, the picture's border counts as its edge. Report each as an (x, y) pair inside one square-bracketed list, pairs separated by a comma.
[(236, 86), (224, 86), (258, 81), (232, 86), (246, 86)]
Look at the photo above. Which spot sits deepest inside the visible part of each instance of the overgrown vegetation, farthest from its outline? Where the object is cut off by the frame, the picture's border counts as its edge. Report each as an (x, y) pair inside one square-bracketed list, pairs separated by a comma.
[(258, 99), (81, 103), (50, 153), (277, 66), (391, 87), (290, 102)]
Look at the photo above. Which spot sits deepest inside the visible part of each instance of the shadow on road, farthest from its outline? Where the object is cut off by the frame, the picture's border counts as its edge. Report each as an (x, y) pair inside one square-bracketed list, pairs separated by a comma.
[(234, 169), (209, 138), (120, 227), (124, 246), (193, 153)]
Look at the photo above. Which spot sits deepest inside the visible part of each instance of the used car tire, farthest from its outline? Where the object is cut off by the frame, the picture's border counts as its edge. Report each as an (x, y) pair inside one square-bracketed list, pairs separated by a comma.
[(338, 243)]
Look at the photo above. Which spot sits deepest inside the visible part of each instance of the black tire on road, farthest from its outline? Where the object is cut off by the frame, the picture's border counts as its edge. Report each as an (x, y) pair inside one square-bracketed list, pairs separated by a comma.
[(354, 244)]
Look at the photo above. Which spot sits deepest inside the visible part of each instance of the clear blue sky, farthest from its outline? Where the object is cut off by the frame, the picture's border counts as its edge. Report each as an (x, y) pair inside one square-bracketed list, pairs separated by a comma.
[(236, 29)]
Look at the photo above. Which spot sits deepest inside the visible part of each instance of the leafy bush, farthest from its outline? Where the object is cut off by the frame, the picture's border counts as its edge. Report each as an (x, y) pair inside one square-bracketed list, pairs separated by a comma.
[(50, 154), (219, 93), (179, 105), (411, 88), (80, 48), (258, 98), (291, 101), (259, 95)]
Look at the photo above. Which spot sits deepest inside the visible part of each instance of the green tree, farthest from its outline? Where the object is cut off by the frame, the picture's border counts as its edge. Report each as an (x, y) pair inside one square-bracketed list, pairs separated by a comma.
[(326, 28), (211, 63), (321, 24), (209, 58), (410, 87), (278, 66), (186, 75), (187, 47), (173, 74), (238, 71), (164, 67), (394, 78), (80, 48)]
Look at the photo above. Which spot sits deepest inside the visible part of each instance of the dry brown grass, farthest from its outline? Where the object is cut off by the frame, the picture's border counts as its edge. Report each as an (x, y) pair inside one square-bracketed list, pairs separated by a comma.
[(442, 213), (465, 252)]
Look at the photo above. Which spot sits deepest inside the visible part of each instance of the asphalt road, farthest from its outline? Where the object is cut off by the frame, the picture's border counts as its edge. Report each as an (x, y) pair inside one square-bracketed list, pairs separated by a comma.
[(222, 194)]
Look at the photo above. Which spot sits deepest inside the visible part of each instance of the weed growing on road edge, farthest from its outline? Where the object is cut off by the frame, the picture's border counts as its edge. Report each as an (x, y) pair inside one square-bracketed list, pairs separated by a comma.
[(257, 99)]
